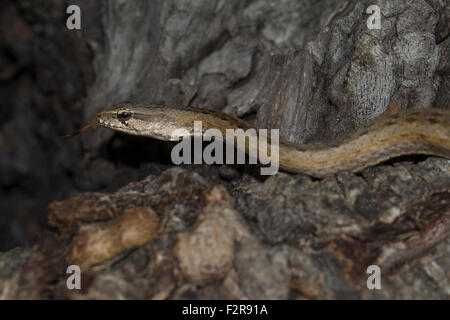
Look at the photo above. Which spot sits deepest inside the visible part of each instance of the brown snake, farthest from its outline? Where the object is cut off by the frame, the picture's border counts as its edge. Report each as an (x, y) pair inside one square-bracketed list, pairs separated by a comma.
[(424, 131)]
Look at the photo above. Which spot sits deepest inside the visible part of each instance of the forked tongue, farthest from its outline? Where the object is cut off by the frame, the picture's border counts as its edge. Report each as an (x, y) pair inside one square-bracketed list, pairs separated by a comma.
[(81, 130)]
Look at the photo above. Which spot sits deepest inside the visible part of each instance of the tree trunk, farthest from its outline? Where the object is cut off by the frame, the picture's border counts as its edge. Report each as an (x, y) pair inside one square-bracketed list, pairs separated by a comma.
[(313, 69)]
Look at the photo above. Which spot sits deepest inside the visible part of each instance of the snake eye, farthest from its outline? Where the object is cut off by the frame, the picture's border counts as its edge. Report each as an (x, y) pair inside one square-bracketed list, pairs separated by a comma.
[(124, 115)]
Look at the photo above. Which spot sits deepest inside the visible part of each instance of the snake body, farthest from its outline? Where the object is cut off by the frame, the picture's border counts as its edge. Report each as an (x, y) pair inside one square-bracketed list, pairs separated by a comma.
[(425, 131)]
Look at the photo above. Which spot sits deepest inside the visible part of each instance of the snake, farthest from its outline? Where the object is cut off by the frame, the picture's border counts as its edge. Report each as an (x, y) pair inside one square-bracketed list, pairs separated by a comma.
[(406, 132)]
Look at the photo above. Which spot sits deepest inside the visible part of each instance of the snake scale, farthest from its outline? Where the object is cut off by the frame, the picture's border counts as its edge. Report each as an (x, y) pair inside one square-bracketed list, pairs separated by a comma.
[(407, 132)]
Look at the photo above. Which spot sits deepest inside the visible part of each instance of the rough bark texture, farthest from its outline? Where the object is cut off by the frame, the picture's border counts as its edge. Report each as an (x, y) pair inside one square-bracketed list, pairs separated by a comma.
[(139, 228)]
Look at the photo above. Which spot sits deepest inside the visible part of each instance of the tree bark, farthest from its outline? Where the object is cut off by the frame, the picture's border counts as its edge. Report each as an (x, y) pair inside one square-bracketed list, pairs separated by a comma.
[(313, 69)]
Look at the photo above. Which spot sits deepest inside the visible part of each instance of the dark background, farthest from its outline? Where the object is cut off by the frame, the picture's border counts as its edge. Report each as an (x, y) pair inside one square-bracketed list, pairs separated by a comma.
[(45, 73), (44, 76)]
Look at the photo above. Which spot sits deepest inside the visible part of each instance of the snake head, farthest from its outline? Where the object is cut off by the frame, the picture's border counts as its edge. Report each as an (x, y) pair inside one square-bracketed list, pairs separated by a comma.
[(149, 121)]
